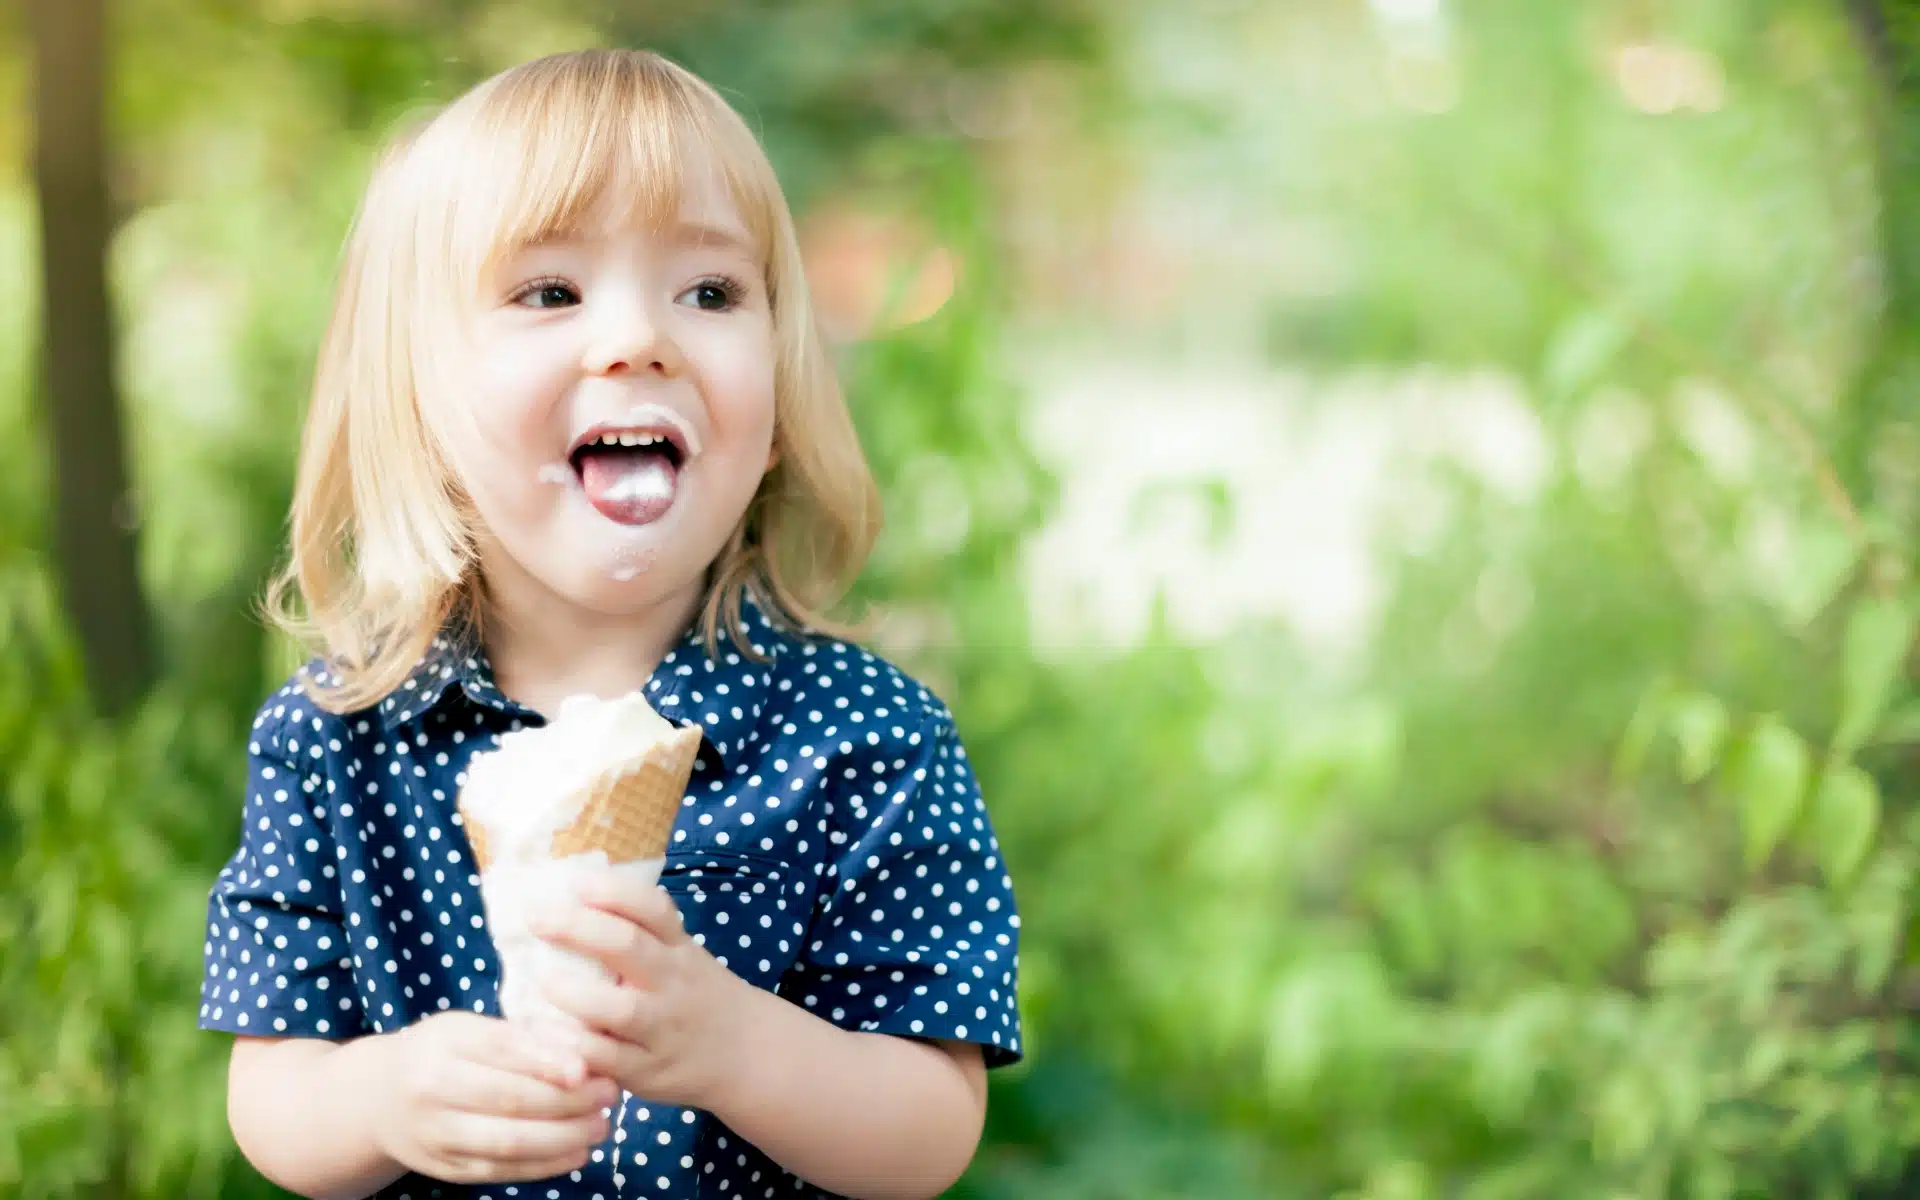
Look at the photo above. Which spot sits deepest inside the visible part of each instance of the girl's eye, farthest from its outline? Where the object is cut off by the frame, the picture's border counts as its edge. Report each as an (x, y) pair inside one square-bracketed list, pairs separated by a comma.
[(718, 294), (547, 293)]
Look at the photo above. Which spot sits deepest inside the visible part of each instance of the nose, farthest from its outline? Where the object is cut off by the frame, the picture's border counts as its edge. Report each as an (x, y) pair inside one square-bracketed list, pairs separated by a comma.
[(630, 337)]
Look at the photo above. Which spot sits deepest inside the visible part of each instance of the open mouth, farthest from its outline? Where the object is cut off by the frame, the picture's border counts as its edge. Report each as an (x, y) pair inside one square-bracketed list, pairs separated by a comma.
[(630, 475)]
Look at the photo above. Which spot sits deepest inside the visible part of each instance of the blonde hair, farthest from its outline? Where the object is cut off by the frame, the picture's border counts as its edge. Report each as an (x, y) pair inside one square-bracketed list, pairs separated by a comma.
[(382, 547)]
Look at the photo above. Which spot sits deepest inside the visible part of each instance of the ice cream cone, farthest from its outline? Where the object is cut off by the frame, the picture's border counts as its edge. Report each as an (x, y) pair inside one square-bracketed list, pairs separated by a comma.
[(629, 811), (595, 788), (477, 838)]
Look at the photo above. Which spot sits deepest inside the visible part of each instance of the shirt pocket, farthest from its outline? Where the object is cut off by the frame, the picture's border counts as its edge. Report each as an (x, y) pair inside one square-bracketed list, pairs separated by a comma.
[(749, 910)]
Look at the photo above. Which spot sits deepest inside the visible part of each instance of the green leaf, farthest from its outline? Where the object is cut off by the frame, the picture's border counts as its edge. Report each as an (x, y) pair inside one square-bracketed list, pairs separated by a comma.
[(1582, 349), (1845, 815), (1910, 944), (1879, 633), (1771, 780), (1642, 728), (1824, 558), (1766, 1053), (1901, 727), (1625, 1119), (1699, 724)]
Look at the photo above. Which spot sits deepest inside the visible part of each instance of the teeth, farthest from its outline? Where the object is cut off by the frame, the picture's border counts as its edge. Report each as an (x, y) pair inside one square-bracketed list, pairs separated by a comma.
[(628, 439)]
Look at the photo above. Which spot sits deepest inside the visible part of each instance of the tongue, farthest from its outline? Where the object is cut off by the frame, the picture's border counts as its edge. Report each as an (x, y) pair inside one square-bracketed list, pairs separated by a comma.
[(631, 486)]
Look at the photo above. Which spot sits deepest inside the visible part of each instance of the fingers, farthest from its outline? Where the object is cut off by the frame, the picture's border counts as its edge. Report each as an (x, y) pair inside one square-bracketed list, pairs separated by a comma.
[(649, 907), (486, 1148), (479, 1100), (487, 1091), (624, 947), (480, 1170), (612, 1057), (624, 1012), (522, 1050)]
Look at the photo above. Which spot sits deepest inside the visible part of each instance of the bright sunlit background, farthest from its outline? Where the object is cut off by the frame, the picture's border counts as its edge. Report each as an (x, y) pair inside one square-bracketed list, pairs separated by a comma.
[(1411, 503)]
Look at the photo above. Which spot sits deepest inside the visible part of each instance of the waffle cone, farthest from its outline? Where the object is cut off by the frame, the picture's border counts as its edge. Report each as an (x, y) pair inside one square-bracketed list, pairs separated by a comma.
[(477, 838), (628, 812)]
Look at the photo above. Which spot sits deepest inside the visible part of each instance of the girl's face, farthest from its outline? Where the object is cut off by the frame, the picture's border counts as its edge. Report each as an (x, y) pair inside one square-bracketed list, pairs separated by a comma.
[(621, 392)]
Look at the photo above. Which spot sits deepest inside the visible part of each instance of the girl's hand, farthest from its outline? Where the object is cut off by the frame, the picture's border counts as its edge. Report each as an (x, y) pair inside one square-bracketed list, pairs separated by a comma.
[(475, 1099), (665, 1029)]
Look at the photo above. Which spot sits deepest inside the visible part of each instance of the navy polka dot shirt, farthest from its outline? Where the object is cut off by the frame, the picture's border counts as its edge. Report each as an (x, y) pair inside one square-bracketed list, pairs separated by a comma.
[(833, 848)]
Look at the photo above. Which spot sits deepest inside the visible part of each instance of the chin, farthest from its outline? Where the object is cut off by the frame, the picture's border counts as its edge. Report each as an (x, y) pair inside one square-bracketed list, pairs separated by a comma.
[(616, 588)]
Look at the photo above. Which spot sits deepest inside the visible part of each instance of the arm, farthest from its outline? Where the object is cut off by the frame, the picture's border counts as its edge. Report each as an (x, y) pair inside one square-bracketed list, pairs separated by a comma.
[(864, 1098), (321, 1105), (300, 1070), (864, 1114), (456, 1097), (299, 1112)]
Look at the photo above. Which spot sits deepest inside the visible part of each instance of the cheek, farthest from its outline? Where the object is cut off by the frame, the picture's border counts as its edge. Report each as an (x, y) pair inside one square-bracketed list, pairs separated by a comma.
[(740, 396), (509, 396), (501, 445)]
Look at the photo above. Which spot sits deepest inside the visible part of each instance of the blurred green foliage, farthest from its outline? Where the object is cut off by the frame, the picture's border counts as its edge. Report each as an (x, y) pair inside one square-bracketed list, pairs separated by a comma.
[(1590, 876)]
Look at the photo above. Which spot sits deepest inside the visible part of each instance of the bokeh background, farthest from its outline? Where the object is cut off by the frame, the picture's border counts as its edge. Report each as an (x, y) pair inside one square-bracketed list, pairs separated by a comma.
[(1412, 503)]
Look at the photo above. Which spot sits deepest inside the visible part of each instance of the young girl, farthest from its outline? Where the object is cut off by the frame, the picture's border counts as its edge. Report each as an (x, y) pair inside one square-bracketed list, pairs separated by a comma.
[(573, 431)]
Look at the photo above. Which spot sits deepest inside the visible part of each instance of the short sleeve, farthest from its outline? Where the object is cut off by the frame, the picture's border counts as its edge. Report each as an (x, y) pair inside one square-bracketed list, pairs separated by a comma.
[(915, 932), (278, 961)]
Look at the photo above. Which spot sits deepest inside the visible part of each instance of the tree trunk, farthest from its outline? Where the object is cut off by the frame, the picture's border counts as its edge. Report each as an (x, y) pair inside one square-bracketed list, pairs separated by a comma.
[(94, 518)]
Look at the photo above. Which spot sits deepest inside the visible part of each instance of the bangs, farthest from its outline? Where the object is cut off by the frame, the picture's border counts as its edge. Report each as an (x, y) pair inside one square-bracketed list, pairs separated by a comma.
[(543, 151)]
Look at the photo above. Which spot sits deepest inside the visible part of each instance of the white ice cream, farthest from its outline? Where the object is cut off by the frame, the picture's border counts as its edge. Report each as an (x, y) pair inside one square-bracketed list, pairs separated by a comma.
[(509, 891), (523, 793)]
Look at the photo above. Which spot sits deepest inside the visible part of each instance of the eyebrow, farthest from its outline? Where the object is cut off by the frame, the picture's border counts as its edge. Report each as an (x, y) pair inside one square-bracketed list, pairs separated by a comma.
[(728, 237), (684, 234)]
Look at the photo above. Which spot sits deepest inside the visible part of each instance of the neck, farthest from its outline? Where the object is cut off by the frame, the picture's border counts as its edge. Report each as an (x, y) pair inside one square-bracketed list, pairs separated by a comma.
[(542, 650)]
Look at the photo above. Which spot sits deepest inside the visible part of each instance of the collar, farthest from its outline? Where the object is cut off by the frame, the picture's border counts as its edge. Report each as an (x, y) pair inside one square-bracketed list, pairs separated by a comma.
[(724, 696)]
